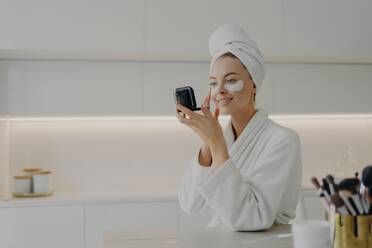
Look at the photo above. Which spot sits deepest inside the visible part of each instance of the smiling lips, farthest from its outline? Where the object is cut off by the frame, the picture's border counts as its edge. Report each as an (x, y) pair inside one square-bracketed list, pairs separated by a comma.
[(224, 101)]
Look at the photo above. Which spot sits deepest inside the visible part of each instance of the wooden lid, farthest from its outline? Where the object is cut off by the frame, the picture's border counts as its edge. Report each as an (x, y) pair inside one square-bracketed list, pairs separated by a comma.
[(31, 169), (22, 177), (42, 172)]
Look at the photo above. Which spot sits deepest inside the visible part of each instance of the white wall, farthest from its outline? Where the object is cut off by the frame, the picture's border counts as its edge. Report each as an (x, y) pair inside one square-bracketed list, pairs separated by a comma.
[(104, 155)]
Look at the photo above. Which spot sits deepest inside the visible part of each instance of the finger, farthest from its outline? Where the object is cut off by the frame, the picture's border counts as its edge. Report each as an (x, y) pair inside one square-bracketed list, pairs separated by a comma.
[(216, 113), (207, 113), (187, 111), (205, 102), (181, 114), (182, 118), (208, 102), (209, 97)]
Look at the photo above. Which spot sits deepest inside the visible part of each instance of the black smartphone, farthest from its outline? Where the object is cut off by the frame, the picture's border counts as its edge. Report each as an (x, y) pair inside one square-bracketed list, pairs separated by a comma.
[(186, 97)]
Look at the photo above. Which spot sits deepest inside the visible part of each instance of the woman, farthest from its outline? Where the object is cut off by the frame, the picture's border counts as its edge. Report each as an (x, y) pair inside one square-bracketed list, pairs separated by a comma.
[(248, 175)]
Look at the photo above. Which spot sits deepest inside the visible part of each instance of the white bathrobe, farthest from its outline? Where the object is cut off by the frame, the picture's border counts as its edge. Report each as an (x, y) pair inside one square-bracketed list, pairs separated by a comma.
[(257, 186)]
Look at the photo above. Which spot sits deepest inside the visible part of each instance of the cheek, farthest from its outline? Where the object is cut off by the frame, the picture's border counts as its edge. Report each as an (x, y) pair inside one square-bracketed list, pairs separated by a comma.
[(213, 97), (214, 90)]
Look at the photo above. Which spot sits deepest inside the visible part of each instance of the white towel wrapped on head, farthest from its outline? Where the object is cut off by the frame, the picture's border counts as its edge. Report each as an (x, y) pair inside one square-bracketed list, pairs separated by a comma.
[(233, 39)]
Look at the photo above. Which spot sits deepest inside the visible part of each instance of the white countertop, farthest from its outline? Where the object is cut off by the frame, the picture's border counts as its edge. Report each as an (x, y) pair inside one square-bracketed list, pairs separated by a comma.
[(79, 198), (219, 237), (104, 197)]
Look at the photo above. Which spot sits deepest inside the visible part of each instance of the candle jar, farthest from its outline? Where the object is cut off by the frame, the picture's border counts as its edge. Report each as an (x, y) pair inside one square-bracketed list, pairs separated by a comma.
[(22, 184), (30, 172), (42, 182)]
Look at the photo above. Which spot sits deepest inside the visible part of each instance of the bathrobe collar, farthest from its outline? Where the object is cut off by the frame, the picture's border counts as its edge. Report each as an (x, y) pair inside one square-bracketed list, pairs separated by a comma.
[(253, 128)]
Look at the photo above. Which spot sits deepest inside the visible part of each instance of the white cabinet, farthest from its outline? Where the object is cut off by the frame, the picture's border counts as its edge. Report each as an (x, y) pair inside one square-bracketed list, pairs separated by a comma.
[(73, 88), (129, 216), (3, 91), (286, 30), (84, 224), (314, 208), (327, 30), (42, 227), (189, 221), (72, 28), (160, 80), (181, 28), (310, 88), (4, 158)]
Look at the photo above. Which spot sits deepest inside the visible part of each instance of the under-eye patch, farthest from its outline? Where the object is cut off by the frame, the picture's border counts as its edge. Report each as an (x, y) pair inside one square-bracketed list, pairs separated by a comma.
[(231, 85), (234, 85)]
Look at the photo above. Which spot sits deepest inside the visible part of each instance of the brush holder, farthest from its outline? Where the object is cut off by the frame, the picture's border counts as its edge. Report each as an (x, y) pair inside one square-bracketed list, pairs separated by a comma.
[(353, 231)]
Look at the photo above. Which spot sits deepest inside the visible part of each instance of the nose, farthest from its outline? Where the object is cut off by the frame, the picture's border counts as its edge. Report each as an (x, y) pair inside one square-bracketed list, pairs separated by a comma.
[(221, 88)]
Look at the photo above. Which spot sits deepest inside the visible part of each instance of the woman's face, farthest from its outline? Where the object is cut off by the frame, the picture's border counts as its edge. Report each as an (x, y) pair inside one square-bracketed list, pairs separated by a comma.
[(231, 86)]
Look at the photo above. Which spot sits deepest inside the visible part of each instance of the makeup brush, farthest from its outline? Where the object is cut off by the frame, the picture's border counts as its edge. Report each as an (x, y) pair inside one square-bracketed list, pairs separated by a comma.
[(350, 207), (325, 186), (339, 204), (349, 184), (326, 199), (349, 187), (331, 183)]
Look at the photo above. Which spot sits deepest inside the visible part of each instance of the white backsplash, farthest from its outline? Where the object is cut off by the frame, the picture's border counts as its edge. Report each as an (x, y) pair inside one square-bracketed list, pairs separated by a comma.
[(106, 155)]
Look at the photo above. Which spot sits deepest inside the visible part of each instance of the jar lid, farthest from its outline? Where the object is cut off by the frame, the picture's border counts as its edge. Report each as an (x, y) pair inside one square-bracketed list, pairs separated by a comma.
[(42, 172), (31, 169), (22, 177)]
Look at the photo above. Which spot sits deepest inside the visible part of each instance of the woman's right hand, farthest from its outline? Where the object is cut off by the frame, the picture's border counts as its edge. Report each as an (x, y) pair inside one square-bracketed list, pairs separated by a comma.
[(205, 155)]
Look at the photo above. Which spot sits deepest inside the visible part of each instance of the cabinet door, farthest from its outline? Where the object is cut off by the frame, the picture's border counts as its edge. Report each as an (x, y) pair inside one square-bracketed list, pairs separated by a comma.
[(181, 28), (73, 88), (190, 221), (339, 32), (4, 158), (321, 88), (42, 227), (71, 28), (129, 216), (313, 205), (3, 91)]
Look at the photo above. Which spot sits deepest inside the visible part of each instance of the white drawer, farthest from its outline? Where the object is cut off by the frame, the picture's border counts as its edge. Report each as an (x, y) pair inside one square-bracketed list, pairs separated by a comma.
[(42, 227)]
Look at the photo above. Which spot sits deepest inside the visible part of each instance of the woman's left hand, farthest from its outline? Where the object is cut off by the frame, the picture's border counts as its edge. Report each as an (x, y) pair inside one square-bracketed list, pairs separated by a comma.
[(206, 125)]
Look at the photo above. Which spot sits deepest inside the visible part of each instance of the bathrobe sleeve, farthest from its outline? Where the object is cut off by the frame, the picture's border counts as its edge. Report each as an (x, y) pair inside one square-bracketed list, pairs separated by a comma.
[(189, 197), (250, 201)]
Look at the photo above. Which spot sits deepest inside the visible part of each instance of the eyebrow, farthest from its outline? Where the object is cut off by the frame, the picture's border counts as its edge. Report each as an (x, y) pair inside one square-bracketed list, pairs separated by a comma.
[(228, 74)]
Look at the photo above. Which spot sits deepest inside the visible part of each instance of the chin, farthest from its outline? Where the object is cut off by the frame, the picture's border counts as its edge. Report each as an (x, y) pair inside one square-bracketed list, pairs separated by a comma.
[(225, 111)]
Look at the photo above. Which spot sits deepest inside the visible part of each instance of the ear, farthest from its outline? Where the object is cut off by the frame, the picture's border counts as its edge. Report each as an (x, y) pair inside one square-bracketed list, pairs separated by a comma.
[(254, 92)]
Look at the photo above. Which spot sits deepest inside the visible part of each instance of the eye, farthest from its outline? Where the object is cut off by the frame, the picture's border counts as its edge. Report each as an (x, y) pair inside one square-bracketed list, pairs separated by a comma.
[(212, 84), (231, 81)]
